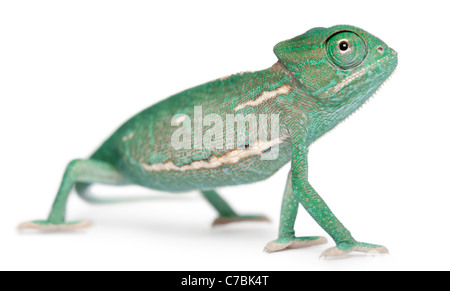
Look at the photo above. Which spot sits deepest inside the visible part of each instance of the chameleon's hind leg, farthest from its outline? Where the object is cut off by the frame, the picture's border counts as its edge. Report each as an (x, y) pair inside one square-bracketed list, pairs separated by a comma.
[(84, 171), (286, 237), (226, 213)]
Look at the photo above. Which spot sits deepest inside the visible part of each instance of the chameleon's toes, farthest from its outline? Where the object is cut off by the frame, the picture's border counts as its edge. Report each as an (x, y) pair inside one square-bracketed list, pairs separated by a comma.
[(44, 225), (344, 249), (295, 243), (333, 252), (241, 218)]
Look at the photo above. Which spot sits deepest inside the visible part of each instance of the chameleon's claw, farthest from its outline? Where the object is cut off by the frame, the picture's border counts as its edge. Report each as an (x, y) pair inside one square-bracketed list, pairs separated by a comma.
[(344, 249), (241, 218), (44, 225), (294, 243)]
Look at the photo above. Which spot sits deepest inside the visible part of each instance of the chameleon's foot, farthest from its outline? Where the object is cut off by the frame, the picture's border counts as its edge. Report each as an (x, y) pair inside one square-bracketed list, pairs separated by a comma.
[(239, 218), (294, 243), (345, 248), (45, 225)]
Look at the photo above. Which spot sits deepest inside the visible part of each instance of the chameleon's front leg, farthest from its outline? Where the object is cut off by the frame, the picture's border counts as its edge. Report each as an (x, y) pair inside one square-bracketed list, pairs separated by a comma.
[(286, 234), (318, 209)]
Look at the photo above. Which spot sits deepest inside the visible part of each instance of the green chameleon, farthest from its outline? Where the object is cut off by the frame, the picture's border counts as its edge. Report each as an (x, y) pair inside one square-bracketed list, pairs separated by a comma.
[(190, 141)]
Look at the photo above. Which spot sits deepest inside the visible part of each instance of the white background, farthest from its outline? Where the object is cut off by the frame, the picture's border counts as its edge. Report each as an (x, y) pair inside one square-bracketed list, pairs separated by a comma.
[(72, 71)]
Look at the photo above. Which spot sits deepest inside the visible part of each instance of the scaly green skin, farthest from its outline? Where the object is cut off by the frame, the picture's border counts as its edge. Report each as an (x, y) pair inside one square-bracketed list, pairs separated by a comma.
[(322, 76)]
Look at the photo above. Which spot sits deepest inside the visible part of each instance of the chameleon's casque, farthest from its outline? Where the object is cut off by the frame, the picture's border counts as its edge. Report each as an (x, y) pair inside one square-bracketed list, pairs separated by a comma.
[(322, 76)]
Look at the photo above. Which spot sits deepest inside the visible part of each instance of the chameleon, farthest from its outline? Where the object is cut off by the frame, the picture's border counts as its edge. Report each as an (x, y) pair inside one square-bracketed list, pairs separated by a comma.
[(320, 78)]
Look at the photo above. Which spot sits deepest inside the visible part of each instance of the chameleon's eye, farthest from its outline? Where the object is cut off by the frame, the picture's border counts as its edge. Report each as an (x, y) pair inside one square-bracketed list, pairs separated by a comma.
[(343, 45), (346, 49)]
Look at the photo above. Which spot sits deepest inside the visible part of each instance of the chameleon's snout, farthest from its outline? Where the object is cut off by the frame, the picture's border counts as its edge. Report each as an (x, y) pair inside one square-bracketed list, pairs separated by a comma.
[(392, 57), (386, 57), (383, 48)]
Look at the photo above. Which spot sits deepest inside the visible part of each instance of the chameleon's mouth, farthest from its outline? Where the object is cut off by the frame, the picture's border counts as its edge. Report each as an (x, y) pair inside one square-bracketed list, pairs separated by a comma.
[(392, 68), (354, 76)]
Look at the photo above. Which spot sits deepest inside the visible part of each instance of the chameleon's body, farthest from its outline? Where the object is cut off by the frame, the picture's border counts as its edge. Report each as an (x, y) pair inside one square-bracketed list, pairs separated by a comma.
[(321, 77)]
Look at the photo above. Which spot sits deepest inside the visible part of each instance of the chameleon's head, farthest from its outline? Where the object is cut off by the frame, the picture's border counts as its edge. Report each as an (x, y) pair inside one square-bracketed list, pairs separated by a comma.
[(340, 66)]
